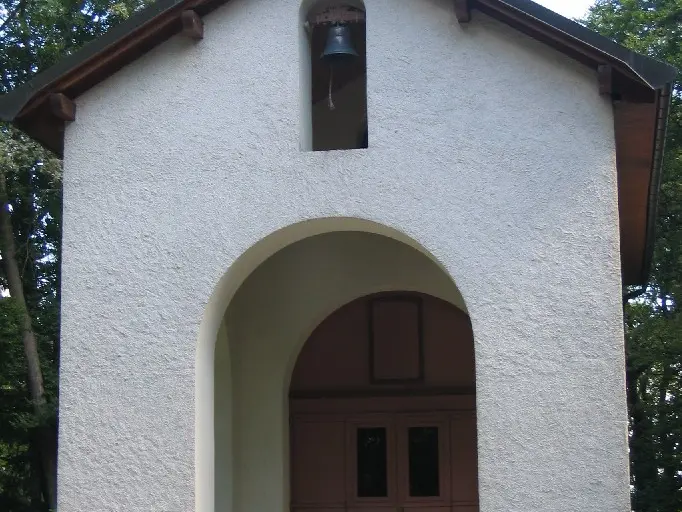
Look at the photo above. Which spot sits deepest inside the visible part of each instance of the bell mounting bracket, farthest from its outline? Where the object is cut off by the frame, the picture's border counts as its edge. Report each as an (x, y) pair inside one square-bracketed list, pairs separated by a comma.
[(336, 14)]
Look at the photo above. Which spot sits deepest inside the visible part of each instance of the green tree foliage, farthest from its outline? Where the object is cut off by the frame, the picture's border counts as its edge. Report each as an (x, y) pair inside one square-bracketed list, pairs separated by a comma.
[(32, 179), (15, 414), (34, 35), (653, 314)]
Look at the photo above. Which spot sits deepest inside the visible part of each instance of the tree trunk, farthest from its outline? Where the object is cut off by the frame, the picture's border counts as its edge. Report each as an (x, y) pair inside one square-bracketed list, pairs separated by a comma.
[(642, 456), (35, 374), (669, 474)]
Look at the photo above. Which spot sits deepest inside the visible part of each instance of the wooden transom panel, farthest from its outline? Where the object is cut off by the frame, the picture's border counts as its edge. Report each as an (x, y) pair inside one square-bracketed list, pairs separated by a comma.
[(388, 343), (395, 344)]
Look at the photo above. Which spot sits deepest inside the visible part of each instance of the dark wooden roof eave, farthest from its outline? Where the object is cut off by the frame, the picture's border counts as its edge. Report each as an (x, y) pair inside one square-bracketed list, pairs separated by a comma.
[(26, 106), (639, 275), (641, 91)]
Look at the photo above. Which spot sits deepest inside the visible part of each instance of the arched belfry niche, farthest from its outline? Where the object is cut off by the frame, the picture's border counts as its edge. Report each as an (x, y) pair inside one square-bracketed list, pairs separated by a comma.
[(274, 299), (333, 60)]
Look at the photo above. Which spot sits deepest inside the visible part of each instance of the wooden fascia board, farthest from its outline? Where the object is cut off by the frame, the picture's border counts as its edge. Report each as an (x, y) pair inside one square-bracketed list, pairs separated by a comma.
[(547, 34), (634, 126), (104, 60)]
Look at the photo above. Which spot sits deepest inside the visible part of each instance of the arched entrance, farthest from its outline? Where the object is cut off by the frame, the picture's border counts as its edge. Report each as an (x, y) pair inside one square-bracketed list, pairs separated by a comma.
[(263, 311), (382, 409)]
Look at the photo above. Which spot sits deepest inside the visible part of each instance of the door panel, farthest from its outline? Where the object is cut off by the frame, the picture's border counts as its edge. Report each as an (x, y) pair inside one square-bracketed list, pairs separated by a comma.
[(464, 459), (424, 461), (370, 471), (318, 464)]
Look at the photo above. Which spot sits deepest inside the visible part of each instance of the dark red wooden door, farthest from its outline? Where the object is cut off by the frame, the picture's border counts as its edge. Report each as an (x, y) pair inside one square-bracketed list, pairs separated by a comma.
[(382, 402), (403, 462)]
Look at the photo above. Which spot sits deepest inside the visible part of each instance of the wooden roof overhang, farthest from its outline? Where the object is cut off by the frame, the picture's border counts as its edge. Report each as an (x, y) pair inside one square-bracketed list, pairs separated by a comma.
[(639, 86)]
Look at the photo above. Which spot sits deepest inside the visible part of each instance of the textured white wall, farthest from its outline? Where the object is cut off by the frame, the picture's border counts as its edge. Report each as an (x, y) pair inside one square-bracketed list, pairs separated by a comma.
[(491, 151)]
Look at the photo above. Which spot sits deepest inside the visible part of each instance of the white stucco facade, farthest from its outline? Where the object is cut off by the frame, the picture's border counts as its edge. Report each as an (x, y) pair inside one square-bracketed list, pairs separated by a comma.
[(489, 153)]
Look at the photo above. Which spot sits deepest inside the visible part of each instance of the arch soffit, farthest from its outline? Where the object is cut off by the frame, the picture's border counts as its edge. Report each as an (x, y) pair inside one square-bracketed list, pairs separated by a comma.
[(269, 245)]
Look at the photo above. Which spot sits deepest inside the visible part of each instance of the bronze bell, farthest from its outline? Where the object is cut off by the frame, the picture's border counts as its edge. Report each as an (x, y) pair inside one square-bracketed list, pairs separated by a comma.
[(339, 46)]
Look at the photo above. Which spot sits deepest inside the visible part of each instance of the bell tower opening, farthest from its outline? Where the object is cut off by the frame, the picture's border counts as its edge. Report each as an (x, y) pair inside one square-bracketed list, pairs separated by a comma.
[(334, 63), (382, 406)]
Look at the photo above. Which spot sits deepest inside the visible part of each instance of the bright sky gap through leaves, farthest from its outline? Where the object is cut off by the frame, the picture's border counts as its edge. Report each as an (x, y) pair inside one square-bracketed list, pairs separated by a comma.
[(569, 8)]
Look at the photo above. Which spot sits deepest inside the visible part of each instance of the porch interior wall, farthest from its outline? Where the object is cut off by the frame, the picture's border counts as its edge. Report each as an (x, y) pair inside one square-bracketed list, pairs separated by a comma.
[(267, 323)]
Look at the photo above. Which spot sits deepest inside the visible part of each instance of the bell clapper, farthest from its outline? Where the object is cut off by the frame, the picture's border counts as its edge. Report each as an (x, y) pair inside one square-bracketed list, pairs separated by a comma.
[(331, 78)]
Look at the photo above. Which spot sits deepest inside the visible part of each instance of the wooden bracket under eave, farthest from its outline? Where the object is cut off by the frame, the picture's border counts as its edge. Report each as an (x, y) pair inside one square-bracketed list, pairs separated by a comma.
[(62, 107), (463, 10), (605, 77), (192, 25)]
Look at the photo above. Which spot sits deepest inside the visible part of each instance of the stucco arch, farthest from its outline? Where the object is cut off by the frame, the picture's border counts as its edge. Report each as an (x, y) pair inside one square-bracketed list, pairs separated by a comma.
[(239, 285)]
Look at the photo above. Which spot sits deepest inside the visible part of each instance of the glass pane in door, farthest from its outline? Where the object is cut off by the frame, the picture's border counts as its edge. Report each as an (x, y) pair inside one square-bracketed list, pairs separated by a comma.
[(372, 471), (423, 457)]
